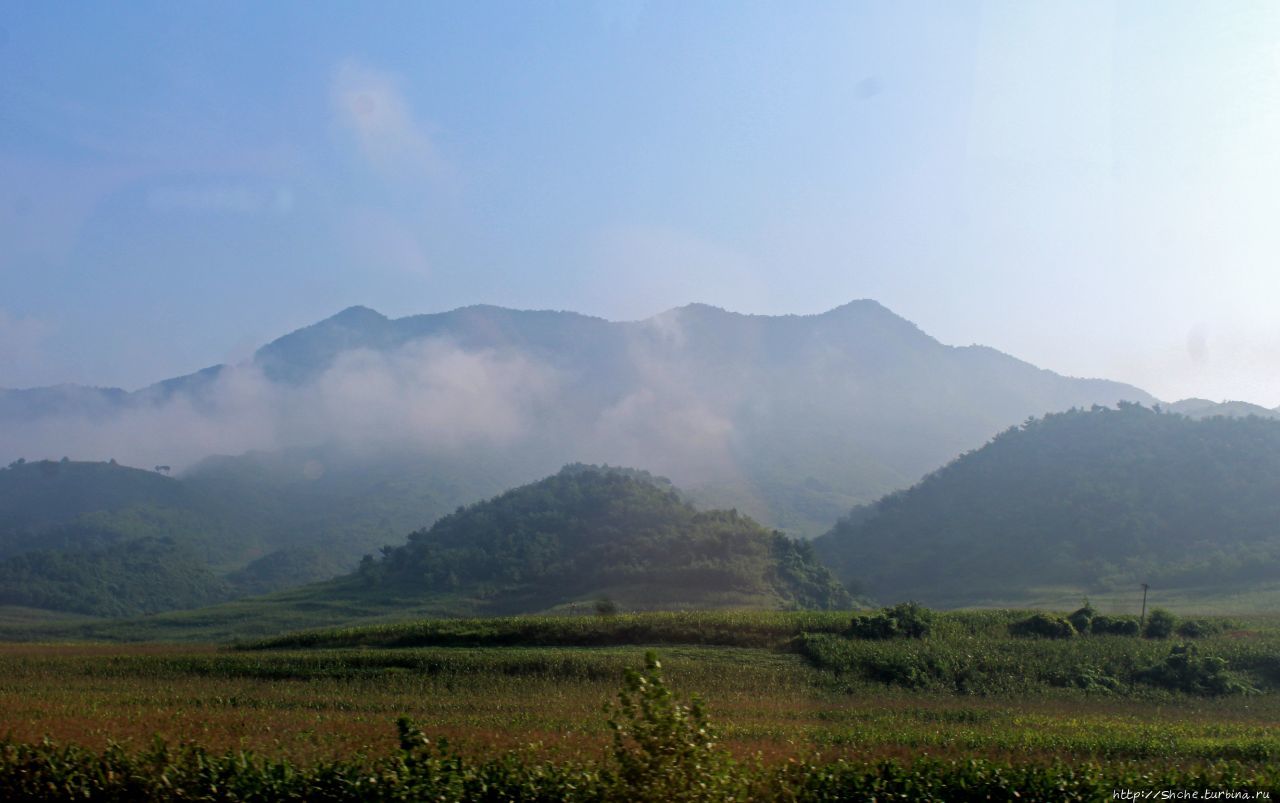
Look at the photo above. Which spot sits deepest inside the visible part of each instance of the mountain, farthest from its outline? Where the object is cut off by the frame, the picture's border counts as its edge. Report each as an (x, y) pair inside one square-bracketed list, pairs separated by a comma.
[(791, 419), (1203, 408), (1081, 502)]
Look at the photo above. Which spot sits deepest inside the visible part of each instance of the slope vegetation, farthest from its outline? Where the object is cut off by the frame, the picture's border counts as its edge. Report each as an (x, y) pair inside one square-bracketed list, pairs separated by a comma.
[(587, 533), (1083, 500), (584, 539)]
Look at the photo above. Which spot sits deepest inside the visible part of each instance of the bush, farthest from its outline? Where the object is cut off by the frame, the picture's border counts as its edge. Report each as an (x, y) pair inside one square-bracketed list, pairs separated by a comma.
[(1199, 628), (1097, 680), (1114, 626), (1160, 624), (666, 750), (1082, 618), (1043, 625), (906, 619), (1185, 670)]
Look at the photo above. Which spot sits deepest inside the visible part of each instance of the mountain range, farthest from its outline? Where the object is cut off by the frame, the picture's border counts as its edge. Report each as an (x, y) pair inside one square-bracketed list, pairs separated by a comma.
[(792, 419), (344, 436)]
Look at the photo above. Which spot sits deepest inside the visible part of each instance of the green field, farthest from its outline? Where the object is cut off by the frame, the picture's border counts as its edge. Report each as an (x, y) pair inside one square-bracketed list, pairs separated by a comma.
[(792, 698)]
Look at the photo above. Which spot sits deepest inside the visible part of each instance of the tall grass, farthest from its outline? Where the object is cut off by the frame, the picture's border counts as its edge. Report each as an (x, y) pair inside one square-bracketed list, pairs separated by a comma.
[(768, 629), (663, 750)]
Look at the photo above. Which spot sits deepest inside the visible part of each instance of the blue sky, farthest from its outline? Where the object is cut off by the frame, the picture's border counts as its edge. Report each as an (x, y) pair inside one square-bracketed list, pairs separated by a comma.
[(1089, 186)]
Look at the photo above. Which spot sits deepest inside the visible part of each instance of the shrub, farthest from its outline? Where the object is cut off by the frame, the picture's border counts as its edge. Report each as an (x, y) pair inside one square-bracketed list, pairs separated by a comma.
[(1160, 624), (873, 626), (1082, 618), (1114, 626), (906, 619), (1184, 669), (1043, 625), (1094, 679), (1199, 628), (666, 750)]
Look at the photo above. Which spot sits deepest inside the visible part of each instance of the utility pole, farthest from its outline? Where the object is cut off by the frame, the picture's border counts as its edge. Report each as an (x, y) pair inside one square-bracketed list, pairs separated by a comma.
[(1142, 620)]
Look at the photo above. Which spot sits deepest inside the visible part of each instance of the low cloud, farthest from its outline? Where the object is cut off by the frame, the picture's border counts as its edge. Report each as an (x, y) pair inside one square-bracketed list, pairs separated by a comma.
[(431, 396), (668, 423), (427, 395), (371, 106)]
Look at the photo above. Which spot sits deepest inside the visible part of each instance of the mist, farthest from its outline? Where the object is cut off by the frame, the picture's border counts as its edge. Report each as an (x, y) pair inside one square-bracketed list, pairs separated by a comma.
[(429, 396)]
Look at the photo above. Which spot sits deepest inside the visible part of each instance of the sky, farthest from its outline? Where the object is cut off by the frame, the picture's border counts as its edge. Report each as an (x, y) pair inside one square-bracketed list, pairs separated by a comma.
[(1091, 187)]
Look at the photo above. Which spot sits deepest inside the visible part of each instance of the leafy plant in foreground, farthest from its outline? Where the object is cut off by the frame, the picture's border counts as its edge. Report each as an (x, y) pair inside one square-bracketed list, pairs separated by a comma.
[(664, 749)]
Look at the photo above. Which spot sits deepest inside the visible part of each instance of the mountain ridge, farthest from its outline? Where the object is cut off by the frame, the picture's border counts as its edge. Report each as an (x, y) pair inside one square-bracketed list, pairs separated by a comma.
[(359, 313), (791, 418)]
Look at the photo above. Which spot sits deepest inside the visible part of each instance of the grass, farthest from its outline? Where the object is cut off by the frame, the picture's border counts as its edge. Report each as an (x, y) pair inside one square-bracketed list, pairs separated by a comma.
[(768, 629), (342, 602), (246, 618), (530, 722), (781, 683), (788, 692), (1217, 600), (327, 704)]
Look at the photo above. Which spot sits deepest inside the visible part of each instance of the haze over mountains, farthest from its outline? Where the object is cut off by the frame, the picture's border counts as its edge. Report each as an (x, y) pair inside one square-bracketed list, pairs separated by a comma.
[(792, 419), (344, 437)]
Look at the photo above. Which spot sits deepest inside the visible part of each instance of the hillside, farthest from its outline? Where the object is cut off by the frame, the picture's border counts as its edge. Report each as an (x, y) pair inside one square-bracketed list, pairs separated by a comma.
[(72, 533), (588, 533), (1078, 502), (791, 419), (117, 578), (561, 544)]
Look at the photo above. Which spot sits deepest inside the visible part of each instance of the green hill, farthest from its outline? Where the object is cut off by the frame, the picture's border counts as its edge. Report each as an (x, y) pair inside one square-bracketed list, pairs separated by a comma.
[(125, 578), (1078, 502), (587, 533), (37, 494)]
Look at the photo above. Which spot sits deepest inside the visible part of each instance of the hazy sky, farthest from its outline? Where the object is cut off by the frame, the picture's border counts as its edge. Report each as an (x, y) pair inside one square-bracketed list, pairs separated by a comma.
[(1094, 188)]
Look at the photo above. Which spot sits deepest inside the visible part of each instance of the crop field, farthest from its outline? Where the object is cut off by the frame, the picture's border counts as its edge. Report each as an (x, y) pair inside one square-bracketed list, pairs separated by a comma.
[(780, 690)]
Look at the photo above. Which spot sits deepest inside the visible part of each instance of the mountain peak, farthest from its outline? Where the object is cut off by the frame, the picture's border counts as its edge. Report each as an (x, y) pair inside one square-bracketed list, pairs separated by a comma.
[(356, 314), (303, 352), (860, 305), (706, 310)]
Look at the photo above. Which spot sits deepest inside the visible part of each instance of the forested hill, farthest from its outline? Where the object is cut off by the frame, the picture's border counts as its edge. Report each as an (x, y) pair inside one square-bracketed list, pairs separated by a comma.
[(588, 533), (1086, 500), (108, 540), (34, 494)]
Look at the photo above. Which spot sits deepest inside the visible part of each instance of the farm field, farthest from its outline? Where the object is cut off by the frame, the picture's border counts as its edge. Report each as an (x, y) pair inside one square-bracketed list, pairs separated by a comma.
[(780, 690)]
